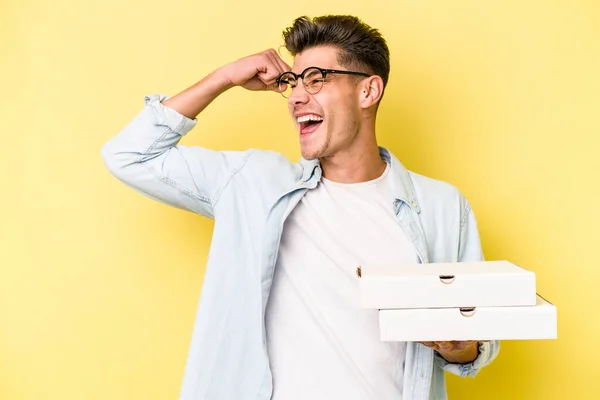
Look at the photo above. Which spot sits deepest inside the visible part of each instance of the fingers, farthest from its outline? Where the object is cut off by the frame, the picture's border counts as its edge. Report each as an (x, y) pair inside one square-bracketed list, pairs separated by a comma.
[(431, 345), (446, 345), (274, 67), (268, 70), (282, 64), (258, 71)]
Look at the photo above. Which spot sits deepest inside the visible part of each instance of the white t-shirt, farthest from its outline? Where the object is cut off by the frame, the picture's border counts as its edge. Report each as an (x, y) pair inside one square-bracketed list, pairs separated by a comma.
[(321, 345)]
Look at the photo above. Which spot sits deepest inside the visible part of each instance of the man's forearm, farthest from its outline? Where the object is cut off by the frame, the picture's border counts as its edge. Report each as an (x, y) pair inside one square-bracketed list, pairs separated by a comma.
[(256, 72), (196, 98)]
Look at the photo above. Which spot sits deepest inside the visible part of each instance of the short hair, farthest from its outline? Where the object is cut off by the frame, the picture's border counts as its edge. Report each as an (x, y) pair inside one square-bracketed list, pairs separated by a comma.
[(359, 45)]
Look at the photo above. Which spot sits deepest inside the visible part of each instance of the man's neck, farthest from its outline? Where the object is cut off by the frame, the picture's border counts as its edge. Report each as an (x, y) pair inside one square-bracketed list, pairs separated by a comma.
[(354, 166)]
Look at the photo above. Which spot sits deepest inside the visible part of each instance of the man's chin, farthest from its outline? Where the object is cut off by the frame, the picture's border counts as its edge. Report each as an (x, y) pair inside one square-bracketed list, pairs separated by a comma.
[(314, 153), (309, 155)]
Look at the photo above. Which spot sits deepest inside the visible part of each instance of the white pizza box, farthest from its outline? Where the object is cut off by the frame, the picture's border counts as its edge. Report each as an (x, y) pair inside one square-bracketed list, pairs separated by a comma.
[(474, 323), (467, 284)]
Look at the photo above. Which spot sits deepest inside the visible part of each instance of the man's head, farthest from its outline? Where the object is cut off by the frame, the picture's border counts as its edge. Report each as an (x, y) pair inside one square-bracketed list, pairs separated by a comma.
[(346, 103)]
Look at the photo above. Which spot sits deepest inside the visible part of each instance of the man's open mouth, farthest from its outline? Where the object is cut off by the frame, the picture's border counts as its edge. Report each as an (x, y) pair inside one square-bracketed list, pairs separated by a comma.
[(309, 123)]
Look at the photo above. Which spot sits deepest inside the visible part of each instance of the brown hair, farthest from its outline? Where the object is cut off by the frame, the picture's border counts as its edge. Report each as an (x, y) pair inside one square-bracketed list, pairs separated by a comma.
[(360, 46)]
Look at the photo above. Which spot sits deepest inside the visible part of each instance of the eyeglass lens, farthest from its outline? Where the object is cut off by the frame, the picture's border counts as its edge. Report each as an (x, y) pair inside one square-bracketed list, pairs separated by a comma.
[(312, 81)]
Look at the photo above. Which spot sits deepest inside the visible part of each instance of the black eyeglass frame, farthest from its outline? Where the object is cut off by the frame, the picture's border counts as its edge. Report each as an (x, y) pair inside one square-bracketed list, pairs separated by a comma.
[(324, 72)]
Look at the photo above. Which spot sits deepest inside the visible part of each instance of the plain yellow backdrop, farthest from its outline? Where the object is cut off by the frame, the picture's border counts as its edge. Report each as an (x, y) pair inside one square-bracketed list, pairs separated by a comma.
[(99, 285)]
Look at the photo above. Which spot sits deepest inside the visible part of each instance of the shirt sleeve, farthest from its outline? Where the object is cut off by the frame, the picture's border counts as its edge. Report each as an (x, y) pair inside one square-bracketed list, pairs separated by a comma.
[(469, 249), (146, 156)]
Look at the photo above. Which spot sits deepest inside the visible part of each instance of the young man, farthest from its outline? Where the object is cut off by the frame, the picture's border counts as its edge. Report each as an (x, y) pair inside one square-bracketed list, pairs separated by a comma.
[(278, 317)]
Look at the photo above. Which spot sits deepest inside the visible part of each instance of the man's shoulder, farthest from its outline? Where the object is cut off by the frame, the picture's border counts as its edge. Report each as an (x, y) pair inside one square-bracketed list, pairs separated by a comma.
[(272, 165), (422, 185), (427, 183), (435, 191)]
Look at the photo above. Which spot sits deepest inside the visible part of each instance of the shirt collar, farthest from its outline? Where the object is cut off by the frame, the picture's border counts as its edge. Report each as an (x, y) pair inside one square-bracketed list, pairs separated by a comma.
[(402, 185)]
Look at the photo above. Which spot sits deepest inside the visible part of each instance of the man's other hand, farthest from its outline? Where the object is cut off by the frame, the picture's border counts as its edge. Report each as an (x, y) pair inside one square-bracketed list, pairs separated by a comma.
[(456, 352)]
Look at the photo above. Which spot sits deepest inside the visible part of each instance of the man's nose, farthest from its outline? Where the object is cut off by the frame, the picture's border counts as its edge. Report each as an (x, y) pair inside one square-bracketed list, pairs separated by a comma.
[(299, 95)]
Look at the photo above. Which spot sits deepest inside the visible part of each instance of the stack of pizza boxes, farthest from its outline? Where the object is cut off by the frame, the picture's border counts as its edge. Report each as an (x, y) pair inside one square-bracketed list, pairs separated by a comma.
[(487, 300)]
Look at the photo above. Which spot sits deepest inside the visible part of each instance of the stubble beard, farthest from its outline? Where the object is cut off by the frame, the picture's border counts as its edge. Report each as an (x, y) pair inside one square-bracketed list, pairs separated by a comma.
[(317, 153)]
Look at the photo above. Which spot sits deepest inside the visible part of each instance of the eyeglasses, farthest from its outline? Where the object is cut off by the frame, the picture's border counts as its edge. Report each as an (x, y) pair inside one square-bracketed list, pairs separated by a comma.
[(312, 79)]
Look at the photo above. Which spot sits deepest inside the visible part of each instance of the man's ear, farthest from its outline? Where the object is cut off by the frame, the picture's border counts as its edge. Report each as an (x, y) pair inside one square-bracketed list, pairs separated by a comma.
[(372, 90)]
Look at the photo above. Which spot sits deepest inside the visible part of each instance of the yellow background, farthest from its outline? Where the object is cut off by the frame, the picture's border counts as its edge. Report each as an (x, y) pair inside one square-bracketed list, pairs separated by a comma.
[(99, 285)]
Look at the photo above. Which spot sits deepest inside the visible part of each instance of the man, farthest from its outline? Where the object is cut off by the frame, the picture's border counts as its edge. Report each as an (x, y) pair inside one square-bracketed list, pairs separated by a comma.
[(278, 317)]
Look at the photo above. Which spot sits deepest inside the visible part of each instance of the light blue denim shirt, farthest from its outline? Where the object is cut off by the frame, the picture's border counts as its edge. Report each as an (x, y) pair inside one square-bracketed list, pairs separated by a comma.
[(250, 194)]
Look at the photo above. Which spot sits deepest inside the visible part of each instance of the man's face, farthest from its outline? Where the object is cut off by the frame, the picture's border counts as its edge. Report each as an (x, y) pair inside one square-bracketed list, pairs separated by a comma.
[(336, 104)]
